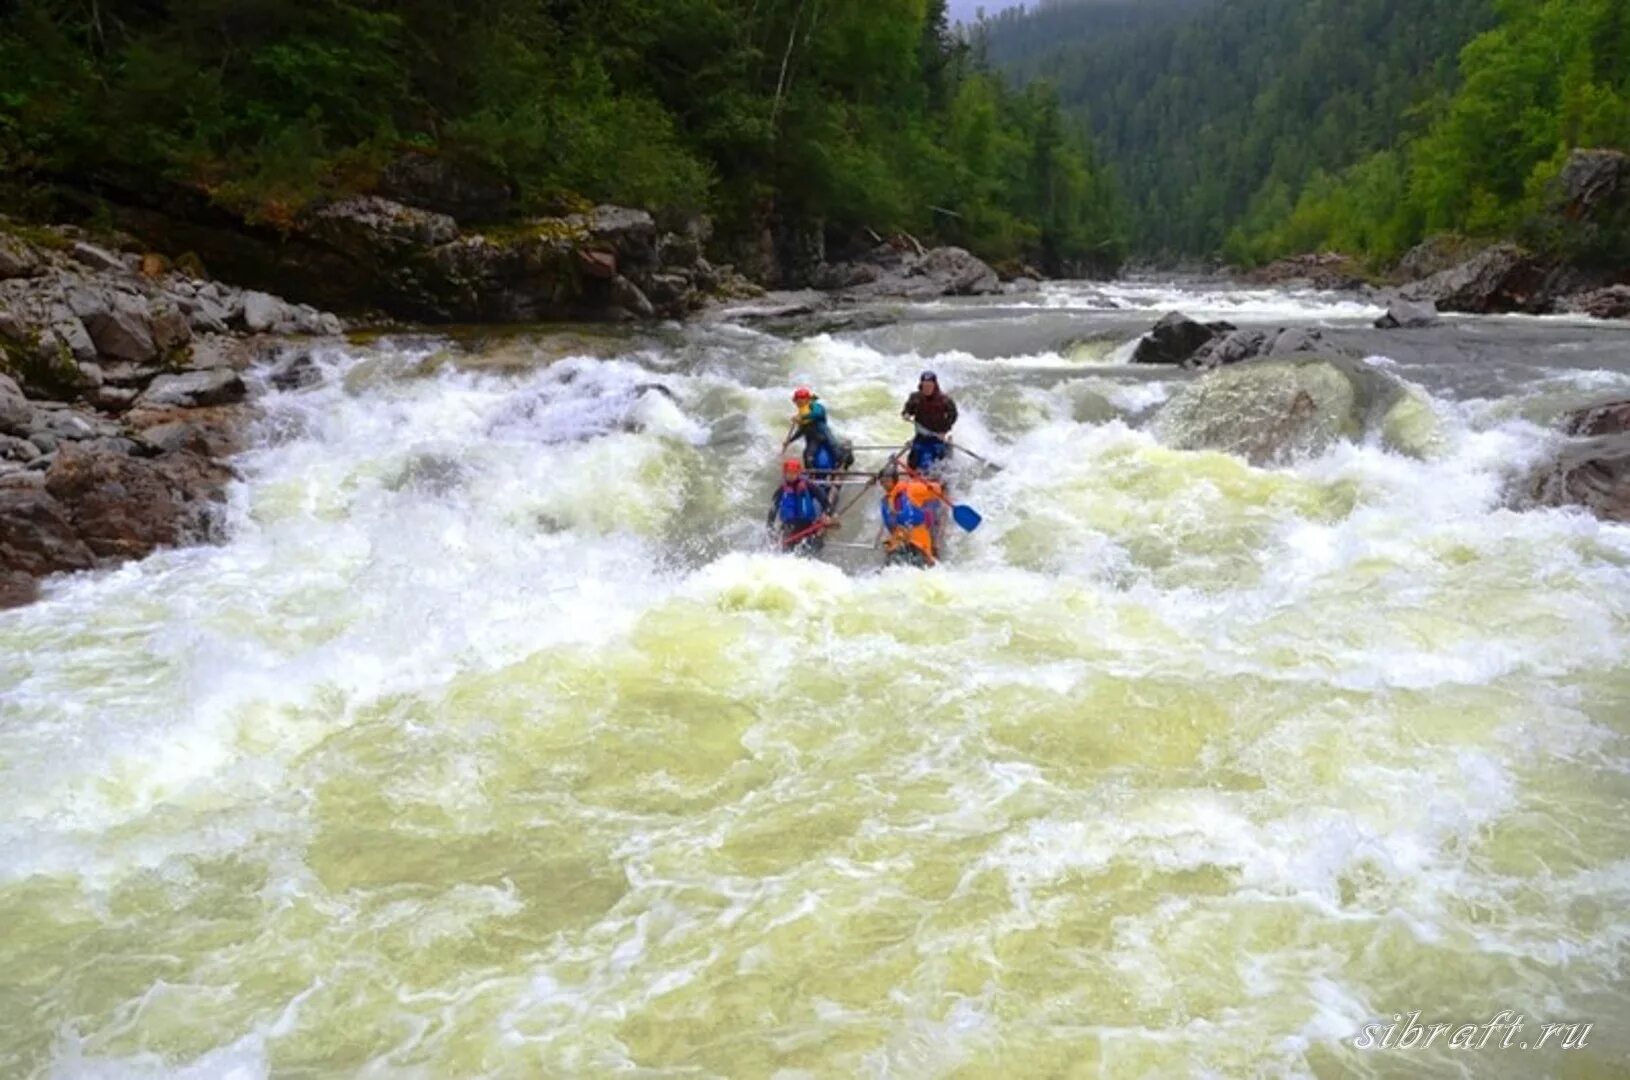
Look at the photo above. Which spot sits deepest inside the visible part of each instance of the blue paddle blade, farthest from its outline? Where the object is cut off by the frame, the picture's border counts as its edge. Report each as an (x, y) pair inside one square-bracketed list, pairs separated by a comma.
[(966, 517)]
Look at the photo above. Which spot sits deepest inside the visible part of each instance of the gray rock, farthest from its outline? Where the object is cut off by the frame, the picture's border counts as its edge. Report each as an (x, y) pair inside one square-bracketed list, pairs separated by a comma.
[(264, 313), (960, 273), (1404, 314), (119, 324), (370, 225), (19, 450), (627, 296), (219, 386), (44, 441), (73, 426), (18, 258), (1176, 339), (1593, 184), (113, 399), (67, 329), (1503, 278), (1612, 302), (97, 258), (16, 414)]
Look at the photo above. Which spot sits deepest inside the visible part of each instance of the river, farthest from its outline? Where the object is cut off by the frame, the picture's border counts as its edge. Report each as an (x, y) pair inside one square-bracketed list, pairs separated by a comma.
[(494, 742)]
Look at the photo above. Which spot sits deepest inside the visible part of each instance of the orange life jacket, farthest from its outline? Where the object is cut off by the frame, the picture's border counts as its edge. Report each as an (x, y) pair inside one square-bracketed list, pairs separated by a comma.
[(911, 513)]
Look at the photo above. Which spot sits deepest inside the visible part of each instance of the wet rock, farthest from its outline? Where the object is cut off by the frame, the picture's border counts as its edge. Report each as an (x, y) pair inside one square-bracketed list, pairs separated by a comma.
[(37, 538), (1404, 314), (217, 386), (1610, 417), (126, 507), (213, 431), (1323, 270), (1503, 278), (1612, 302), (1272, 411), (1176, 339)]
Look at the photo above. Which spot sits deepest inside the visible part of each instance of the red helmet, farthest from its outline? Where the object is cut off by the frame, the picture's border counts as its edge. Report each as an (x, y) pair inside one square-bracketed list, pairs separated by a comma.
[(792, 467), (802, 394)]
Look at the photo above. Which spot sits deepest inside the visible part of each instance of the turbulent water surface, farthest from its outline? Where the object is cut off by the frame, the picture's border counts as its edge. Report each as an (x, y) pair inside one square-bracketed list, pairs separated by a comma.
[(494, 742)]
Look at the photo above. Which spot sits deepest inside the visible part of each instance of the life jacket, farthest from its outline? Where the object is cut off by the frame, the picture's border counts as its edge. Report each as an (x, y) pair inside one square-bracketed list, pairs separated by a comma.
[(797, 504), (911, 514)]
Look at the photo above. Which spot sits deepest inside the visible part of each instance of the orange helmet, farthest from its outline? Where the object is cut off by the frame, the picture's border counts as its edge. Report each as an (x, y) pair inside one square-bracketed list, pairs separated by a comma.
[(802, 394), (792, 467)]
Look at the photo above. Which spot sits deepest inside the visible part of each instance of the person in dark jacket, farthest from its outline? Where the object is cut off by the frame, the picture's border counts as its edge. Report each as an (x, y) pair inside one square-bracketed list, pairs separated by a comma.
[(934, 414), (800, 511)]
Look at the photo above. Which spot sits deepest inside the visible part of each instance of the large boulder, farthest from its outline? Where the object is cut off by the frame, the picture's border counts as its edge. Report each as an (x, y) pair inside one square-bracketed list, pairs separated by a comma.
[(1274, 410), (1592, 469), (36, 539), (1503, 278), (126, 507), (1176, 339), (16, 414), (959, 273), (1435, 254), (1594, 185), (216, 386), (1404, 314), (1612, 302)]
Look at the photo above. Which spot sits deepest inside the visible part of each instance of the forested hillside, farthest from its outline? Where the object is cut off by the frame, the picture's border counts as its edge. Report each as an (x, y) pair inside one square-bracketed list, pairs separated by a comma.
[(765, 111), (1552, 76), (1211, 110)]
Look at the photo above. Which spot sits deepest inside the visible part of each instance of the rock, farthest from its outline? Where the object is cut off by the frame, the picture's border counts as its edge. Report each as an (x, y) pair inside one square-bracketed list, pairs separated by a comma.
[(213, 432), (1593, 185), (217, 386), (1271, 411), (113, 399), (446, 185), (19, 450), (37, 537), (96, 258), (264, 313), (1408, 315), (1324, 270), (1238, 346), (126, 507), (1612, 302), (221, 351), (1175, 339), (960, 273), (627, 296), (18, 258), (1503, 278), (1434, 255), (16, 414), (371, 226), (119, 323), (1611, 417)]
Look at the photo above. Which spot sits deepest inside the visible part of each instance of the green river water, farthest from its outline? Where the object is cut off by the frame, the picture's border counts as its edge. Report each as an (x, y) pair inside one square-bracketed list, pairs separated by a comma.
[(494, 743)]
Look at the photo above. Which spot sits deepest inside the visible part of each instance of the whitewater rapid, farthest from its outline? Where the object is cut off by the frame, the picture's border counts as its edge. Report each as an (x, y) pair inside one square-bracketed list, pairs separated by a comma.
[(495, 741)]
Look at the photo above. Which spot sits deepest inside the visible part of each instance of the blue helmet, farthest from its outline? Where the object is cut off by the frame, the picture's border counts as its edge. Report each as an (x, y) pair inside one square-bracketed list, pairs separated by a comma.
[(928, 376)]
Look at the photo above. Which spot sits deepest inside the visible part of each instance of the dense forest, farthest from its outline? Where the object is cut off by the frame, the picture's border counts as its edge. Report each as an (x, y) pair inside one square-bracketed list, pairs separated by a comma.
[(1213, 110), (1552, 76), (789, 111)]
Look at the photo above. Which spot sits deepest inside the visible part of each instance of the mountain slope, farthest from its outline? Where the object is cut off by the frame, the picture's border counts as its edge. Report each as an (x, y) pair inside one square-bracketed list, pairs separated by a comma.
[(1207, 108)]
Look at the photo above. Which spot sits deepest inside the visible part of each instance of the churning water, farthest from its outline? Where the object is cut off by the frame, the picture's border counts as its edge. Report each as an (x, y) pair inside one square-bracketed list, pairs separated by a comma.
[(495, 743)]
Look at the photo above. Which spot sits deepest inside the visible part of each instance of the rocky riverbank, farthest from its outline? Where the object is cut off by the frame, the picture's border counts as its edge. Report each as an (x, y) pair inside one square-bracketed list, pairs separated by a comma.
[(1579, 262), (125, 387)]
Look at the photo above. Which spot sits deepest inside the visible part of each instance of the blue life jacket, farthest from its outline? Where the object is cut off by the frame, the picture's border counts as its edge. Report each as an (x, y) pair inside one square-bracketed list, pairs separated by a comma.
[(825, 458), (797, 505), (899, 510)]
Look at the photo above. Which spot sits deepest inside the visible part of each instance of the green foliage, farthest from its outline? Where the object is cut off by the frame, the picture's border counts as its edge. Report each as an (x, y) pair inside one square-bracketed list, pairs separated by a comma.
[(1217, 115), (819, 111), (1550, 77)]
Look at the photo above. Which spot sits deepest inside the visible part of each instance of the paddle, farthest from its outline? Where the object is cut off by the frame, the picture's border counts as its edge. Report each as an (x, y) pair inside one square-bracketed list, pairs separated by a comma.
[(804, 534), (976, 457)]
